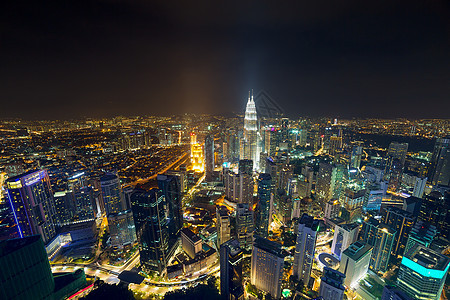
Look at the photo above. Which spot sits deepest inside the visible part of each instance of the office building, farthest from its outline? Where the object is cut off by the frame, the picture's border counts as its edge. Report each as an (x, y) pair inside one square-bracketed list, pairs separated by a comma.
[(26, 272), (305, 247), (64, 207), (419, 186), (331, 285), (332, 209), (231, 255), (263, 210), (152, 230), (422, 273), (395, 163), (382, 238), (190, 242), (401, 221), (244, 225), (31, 198), (440, 160), (121, 229), (267, 266), (245, 167), (223, 225), (344, 235), (250, 133), (329, 181), (393, 293), (209, 157), (422, 233), (84, 210), (355, 261), (355, 159), (197, 159), (112, 194), (169, 185)]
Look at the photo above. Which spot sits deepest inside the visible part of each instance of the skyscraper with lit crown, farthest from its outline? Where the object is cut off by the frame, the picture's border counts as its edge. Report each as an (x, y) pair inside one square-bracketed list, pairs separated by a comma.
[(251, 132)]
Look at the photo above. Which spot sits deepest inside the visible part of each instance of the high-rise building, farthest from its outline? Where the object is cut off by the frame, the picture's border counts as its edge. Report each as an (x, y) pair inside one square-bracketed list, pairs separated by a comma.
[(190, 242), (422, 233), (393, 293), (435, 209), (64, 207), (305, 247), (251, 132), (263, 210), (329, 181), (355, 160), (440, 169), (344, 235), (332, 209), (245, 167), (231, 255), (112, 194), (152, 230), (223, 225), (121, 229), (374, 197), (197, 160), (381, 237), (31, 198), (395, 163), (422, 273), (355, 261), (209, 157), (26, 272), (401, 221), (419, 186), (84, 198), (267, 266), (169, 185), (331, 285), (244, 225)]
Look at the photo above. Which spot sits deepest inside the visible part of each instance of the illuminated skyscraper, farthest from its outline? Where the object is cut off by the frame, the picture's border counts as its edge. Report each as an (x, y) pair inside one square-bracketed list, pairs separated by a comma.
[(355, 160), (395, 162), (331, 285), (209, 157), (31, 199), (112, 194), (152, 230), (197, 160), (305, 247), (223, 225), (263, 216), (251, 132), (231, 271), (422, 273), (244, 225), (440, 171), (267, 266), (381, 237)]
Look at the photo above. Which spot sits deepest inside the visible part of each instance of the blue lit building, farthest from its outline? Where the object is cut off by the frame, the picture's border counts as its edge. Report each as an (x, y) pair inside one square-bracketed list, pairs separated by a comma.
[(422, 273), (31, 198)]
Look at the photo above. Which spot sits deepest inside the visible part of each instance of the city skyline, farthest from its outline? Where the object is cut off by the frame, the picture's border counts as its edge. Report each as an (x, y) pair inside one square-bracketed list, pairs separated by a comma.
[(109, 58)]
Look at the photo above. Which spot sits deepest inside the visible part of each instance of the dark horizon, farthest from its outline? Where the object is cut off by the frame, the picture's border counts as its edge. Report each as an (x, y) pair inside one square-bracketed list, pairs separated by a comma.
[(68, 60)]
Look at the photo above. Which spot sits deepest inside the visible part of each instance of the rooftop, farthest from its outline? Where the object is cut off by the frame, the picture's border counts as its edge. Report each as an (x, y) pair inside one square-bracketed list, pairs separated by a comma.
[(427, 258), (268, 246), (357, 250), (9, 246), (190, 235)]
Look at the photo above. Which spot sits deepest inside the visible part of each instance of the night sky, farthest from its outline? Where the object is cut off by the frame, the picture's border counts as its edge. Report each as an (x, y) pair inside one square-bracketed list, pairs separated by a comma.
[(357, 58)]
